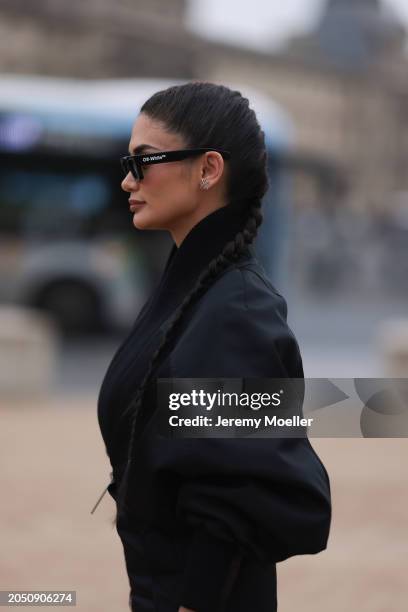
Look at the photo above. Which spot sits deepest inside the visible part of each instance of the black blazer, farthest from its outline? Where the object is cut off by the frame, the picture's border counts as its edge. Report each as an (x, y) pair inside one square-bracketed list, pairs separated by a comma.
[(201, 507)]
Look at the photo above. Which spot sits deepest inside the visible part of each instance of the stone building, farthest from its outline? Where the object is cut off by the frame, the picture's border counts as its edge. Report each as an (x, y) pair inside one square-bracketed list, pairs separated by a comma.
[(345, 87), (96, 38)]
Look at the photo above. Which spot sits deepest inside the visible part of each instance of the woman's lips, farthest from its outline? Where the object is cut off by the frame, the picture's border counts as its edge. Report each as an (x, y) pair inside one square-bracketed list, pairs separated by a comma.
[(135, 204)]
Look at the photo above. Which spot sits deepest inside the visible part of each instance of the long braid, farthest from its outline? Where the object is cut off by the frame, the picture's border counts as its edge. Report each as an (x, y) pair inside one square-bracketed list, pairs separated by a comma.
[(231, 252)]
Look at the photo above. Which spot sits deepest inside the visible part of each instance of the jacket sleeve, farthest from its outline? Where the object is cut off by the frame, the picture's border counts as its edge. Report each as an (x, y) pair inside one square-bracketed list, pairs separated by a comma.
[(265, 497)]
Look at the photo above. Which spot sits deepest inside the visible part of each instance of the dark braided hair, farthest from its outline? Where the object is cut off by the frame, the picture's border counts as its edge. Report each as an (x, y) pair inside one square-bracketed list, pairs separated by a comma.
[(208, 115)]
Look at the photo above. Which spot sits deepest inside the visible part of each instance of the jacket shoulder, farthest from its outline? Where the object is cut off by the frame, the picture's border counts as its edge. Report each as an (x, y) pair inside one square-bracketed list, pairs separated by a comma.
[(239, 279), (238, 328)]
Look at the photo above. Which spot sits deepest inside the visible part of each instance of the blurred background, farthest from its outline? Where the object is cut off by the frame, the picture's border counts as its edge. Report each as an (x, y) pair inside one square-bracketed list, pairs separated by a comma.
[(327, 79)]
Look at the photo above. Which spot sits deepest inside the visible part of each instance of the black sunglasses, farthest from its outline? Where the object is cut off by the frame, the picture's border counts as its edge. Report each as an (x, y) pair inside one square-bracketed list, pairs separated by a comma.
[(135, 163)]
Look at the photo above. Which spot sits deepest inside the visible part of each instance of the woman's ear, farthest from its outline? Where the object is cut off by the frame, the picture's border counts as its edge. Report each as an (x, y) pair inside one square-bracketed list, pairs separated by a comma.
[(212, 169)]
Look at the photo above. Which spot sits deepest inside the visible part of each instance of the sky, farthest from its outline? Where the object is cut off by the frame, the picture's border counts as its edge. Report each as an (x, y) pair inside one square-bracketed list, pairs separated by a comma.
[(263, 24)]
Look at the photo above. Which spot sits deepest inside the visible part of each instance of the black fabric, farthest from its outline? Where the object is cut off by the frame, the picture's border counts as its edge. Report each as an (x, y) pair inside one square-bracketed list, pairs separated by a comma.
[(253, 588), (128, 366), (200, 508)]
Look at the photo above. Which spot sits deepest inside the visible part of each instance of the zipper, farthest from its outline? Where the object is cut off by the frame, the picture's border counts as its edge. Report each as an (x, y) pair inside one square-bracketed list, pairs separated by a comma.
[(101, 496), (99, 500)]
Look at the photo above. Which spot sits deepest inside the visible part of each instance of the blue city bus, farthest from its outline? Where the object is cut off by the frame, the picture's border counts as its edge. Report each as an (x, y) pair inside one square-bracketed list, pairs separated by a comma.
[(67, 244)]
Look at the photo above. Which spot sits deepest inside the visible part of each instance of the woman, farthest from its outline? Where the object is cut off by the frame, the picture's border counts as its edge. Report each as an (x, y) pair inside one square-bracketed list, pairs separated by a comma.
[(204, 521)]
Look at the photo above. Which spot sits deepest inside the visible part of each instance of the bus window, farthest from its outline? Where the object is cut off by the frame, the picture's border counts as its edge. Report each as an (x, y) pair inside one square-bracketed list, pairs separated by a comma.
[(34, 202)]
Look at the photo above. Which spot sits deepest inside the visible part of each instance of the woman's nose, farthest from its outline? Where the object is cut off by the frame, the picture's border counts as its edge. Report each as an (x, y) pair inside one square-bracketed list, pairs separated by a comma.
[(129, 183)]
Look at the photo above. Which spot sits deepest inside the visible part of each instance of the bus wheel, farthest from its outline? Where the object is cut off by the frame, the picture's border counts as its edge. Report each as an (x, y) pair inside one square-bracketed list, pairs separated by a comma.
[(75, 307)]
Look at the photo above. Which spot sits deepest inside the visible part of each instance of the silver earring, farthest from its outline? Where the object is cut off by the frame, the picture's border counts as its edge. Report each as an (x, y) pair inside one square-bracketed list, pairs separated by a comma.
[(204, 183)]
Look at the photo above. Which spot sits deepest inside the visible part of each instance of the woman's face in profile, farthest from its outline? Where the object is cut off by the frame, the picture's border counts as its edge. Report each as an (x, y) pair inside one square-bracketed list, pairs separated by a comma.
[(168, 192)]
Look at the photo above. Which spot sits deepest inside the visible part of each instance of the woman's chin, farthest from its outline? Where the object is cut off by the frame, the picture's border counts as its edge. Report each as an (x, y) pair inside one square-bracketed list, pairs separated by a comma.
[(141, 220)]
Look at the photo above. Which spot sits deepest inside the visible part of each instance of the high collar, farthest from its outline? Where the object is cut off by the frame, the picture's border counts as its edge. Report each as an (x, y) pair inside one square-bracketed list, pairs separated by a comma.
[(204, 242), (185, 263)]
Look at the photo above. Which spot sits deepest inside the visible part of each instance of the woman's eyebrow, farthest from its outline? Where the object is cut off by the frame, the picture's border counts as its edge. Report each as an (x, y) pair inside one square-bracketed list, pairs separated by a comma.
[(140, 148)]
